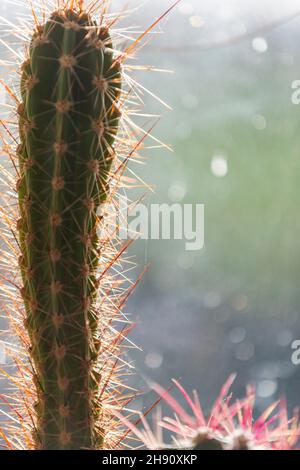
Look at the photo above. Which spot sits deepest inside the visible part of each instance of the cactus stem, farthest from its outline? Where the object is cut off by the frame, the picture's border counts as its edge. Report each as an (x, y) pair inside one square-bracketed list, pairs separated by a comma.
[(69, 145)]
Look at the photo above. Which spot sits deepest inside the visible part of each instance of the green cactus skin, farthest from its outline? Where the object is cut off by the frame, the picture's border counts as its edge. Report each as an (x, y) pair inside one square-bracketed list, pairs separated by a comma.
[(68, 121)]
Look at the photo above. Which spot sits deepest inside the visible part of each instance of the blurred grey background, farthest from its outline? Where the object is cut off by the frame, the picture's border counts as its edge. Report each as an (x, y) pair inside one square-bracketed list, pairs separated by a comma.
[(234, 306)]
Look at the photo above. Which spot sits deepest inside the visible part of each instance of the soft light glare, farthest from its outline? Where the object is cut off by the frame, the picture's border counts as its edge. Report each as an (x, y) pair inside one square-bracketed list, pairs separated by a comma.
[(219, 166), (196, 21)]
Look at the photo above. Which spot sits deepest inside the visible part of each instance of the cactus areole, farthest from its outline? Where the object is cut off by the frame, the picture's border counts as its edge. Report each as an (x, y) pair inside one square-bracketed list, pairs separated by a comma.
[(68, 120)]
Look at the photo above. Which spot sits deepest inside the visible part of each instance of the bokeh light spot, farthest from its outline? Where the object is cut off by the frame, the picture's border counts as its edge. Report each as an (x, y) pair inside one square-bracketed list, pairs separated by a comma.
[(219, 165), (245, 351), (259, 122), (177, 191), (196, 21), (186, 8), (266, 388), (260, 45), (153, 360), (240, 303), (237, 335), (212, 300)]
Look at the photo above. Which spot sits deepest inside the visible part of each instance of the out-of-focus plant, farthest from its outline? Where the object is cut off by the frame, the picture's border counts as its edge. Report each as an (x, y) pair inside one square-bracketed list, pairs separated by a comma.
[(229, 425)]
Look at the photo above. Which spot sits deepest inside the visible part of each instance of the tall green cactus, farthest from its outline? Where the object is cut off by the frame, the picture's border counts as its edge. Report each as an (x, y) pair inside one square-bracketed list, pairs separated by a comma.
[(68, 120)]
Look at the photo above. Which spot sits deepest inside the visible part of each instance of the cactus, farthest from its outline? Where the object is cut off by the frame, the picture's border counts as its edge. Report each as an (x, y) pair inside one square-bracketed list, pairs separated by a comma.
[(68, 119), (61, 264), (63, 289)]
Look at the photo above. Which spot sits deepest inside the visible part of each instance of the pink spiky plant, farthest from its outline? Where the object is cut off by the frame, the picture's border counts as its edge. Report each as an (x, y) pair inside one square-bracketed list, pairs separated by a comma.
[(229, 426)]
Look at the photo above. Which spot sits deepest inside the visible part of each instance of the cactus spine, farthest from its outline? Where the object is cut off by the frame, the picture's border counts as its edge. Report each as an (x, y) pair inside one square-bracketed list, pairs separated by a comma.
[(68, 120)]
